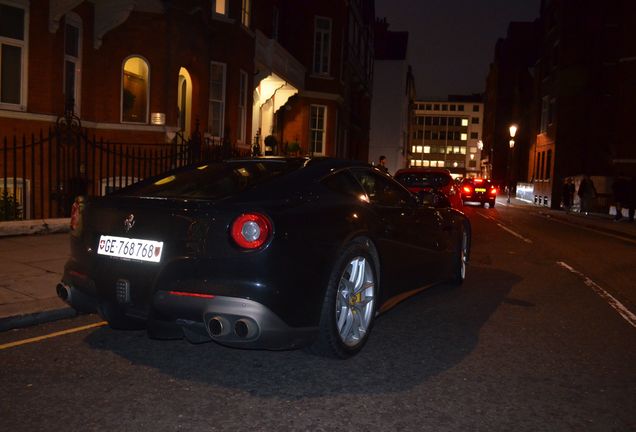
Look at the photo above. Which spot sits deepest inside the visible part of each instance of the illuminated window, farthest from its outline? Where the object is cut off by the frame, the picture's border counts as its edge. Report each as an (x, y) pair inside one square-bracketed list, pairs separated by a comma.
[(135, 90), (413, 149), (72, 60), (216, 101), (418, 149), (456, 149), (464, 122), (219, 6), (412, 163), (473, 149), (418, 163), (242, 107), (449, 149), (317, 128), (426, 163), (427, 149), (322, 45), (13, 54), (462, 150), (464, 137), (246, 12)]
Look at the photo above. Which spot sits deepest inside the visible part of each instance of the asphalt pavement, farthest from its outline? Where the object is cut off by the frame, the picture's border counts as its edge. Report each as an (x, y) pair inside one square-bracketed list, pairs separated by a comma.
[(33, 253)]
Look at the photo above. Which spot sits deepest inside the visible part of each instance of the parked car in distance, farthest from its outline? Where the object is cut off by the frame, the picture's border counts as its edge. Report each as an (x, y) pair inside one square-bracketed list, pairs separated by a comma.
[(423, 180), (479, 190), (267, 253)]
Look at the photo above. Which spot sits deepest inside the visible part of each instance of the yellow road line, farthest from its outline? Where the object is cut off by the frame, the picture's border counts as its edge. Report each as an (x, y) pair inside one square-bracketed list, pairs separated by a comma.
[(52, 335)]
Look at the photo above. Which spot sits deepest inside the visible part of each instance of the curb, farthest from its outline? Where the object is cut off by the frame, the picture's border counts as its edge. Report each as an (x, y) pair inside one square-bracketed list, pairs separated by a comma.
[(592, 226), (27, 320), (35, 226)]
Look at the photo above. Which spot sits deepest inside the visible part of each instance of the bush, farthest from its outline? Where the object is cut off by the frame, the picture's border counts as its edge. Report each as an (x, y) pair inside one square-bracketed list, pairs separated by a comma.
[(10, 209)]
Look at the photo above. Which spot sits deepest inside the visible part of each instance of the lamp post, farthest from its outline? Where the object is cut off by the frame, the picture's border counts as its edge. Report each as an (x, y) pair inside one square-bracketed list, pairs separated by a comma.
[(480, 147), (513, 131)]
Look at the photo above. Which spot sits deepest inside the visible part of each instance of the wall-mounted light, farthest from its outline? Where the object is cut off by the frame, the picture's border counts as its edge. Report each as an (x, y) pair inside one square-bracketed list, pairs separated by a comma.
[(158, 119), (511, 143)]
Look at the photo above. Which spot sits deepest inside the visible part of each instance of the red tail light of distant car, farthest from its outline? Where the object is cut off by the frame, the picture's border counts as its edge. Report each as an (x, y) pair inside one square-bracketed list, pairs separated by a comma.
[(251, 230)]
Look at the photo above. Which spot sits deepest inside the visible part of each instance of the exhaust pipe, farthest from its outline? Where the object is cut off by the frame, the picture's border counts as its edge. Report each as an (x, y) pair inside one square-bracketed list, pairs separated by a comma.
[(244, 328), (64, 292), (217, 326)]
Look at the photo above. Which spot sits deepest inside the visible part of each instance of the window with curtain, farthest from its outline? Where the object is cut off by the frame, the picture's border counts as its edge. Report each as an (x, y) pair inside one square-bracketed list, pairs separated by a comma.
[(72, 61), (135, 90), (13, 45), (216, 105), (246, 12), (322, 45), (242, 108), (318, 121)]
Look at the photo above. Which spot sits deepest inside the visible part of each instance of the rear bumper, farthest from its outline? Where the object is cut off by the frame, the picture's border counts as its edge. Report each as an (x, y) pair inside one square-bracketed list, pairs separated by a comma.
[(231, 321)]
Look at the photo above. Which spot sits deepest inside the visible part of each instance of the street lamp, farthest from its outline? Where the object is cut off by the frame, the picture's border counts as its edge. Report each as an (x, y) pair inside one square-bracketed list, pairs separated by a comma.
[(513, 131)]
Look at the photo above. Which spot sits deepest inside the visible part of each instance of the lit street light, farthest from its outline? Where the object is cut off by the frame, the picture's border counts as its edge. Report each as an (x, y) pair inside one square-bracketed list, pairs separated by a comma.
[(513, 131)]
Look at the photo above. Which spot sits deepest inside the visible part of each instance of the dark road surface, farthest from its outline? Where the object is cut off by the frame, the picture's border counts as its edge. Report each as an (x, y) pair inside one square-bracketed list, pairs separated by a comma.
[(530, 342)]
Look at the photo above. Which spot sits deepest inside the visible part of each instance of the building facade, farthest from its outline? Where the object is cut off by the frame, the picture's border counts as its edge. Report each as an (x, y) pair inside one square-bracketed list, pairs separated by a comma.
[(448, 134), (268, 77), (582, 81), (393, 96)]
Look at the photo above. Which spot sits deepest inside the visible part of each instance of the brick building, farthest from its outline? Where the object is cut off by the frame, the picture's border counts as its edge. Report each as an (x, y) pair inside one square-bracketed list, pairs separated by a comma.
[(153, 72)]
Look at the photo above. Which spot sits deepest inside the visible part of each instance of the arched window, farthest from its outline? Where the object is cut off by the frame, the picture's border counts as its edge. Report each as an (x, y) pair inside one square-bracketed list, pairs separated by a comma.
[(135, 90)]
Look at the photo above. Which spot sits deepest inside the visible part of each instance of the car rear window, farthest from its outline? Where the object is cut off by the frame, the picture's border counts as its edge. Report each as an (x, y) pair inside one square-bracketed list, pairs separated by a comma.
[(213, 180), (424, 179)]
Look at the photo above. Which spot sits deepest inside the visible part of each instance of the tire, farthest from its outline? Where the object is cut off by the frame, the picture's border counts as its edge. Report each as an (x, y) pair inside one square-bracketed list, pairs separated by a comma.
[(349, 306), (116, 318), (481, 203), (491, 204), (460, 260)]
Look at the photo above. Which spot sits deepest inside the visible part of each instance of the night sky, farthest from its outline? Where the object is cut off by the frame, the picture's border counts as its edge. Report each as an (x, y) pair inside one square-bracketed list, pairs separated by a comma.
[(452, 42)]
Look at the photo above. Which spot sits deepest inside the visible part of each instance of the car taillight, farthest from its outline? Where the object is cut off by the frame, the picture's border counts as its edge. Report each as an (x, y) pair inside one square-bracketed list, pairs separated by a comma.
[(468, 189), (493, 191), (251, 230), (76, 215)]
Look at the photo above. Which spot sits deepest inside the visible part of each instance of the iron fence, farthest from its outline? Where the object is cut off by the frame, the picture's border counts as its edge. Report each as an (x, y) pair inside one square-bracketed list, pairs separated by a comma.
[(41, 175)]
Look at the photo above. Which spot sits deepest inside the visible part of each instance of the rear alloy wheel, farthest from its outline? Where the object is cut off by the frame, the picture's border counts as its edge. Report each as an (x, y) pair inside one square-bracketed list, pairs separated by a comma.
[(461, 260), (116, 318), (349, 305)]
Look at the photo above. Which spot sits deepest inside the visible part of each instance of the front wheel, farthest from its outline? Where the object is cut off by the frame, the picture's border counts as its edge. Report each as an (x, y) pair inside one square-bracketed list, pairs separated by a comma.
[(349, 305)]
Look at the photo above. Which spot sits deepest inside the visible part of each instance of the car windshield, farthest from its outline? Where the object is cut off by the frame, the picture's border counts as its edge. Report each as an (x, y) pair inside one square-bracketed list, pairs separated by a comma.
[(213, 180), (424, 179)]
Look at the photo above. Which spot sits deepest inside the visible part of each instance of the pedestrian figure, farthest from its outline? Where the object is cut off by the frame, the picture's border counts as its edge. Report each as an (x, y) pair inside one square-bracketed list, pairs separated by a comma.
[(568, 194), (587, 192), (632, 199), (620, 189), (382, 164)]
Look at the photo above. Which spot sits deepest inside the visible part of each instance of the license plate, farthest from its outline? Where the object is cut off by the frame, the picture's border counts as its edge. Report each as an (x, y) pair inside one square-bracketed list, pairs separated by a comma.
[(480, 190), (130, 248)]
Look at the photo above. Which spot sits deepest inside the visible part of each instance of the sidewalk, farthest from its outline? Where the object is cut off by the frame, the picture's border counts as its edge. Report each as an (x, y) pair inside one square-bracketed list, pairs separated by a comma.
[(32, 257), (32, 264), (596, 221)]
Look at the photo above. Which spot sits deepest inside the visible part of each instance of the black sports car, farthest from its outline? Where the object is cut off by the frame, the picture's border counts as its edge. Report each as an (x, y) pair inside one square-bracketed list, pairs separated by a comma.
[(270, 253)]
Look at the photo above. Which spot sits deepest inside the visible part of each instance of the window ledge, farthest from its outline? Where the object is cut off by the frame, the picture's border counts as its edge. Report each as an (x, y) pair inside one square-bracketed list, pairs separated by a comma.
[(222, 18)]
